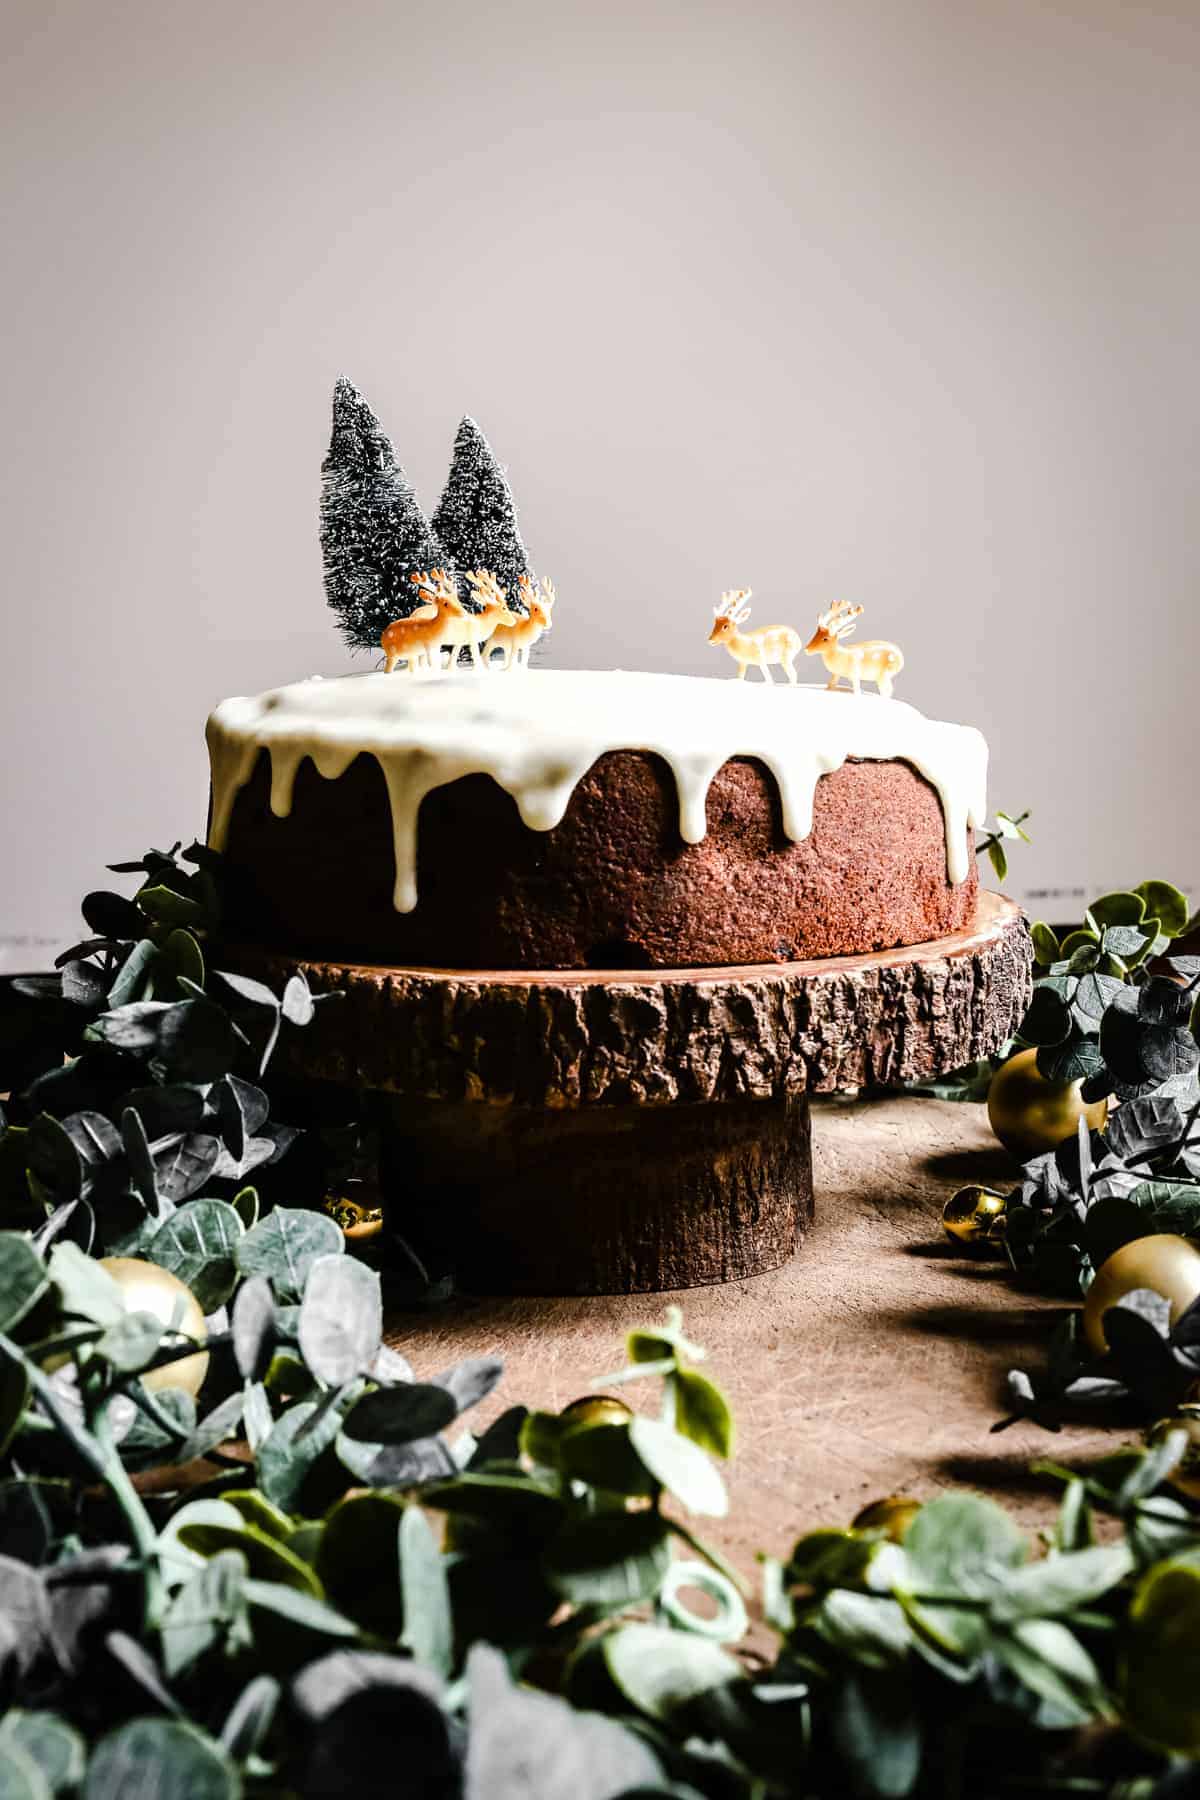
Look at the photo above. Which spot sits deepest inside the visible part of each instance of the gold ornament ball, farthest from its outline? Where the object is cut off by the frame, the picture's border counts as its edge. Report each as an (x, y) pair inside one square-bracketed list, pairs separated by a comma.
[(1168, 1264), (974, 1215), (147, 1288), (892, 1515), (1031, 1115), (597, 1409)]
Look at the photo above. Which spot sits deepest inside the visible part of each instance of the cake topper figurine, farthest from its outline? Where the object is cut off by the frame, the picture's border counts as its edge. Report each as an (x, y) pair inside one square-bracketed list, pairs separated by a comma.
[(753, 649), (440, 621), (473, 630), (417, 640), (875, 660), (517, 640)]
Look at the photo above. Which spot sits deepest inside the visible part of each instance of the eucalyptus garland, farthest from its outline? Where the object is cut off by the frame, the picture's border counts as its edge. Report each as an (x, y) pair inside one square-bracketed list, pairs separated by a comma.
[(245, 1548)]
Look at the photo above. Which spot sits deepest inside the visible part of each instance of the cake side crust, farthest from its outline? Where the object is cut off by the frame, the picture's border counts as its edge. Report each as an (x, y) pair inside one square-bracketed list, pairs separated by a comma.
[(612, 885)]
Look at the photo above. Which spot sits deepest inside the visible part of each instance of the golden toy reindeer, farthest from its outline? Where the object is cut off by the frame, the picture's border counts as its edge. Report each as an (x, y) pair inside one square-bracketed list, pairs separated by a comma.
[(753, 649), (517, 640), (875, 660), (473, 629), (416, 640)]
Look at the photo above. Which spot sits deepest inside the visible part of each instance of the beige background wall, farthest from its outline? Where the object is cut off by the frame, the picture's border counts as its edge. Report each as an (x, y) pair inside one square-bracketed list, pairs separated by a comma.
[(896, 301)]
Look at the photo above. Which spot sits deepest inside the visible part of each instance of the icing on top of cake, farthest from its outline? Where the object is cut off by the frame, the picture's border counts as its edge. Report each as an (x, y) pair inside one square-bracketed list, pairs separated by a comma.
[(536, 732)]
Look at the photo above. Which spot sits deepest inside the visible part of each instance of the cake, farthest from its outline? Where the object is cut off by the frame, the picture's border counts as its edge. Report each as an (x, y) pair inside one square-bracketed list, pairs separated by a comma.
[(566, 819), (459, 809)]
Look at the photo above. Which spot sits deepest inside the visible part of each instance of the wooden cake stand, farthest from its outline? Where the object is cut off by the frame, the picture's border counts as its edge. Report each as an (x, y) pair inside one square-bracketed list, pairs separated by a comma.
[(599, 1132)]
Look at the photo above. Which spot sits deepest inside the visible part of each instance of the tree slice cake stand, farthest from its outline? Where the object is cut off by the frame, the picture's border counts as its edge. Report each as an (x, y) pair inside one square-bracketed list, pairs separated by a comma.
[(600, 1132)]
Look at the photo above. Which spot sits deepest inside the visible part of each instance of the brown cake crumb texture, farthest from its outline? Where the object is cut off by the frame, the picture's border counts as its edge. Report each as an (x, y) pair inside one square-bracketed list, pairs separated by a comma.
[(612, 886)]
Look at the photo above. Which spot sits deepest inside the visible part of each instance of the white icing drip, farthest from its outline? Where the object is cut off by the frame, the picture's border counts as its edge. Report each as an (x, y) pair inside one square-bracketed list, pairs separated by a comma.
[(538, 732)]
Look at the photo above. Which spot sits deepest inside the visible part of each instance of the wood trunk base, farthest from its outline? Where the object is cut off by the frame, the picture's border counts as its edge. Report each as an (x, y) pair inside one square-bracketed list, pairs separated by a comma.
[(604, 1200), (576, 1131)]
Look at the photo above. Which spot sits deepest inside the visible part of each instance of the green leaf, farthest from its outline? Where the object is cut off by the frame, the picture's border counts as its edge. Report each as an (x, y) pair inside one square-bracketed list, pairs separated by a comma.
[(202, 1612), (1166, 904), (1078, 940), (876, 1730), (666, 1341), (264, 1557), (341, 1319), (1075, 1060), (702, 1413), (88, 1291), (1094, 995), (250, 1718), (293, 1446), (182, 956), (285, 1246), (1048, 1019), (1045, 945), (1059, 1585), (659, 1670), (998, 857), (1161, 1652), (258, 1511), (131, 1342), (15, 1391), (357, 1557), (54, 1746), (23, 1278), (958, 1544), (166, 907), (608, 1559), (159, 1759), (1129, 942), (428, 1621), (132, 978), (519, 1509), (20, 1776), (1118, 909), (198, 1243), (679, 1465), (1050, 1659), (401, 1414), (299, 1608), (869, 1628)]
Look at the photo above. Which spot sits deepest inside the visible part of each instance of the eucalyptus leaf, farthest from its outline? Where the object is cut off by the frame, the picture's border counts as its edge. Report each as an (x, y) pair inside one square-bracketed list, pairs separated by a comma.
[(253, 1327), (202, 1611), (289, 1453), (160, 1759), (608, 1560), (398, 1415), (54, 1747), (284, 1246), (341, 1319), (428, 1617), (702, 1413), (680, 1465), (199, 1244), (660, 1671), (23, 1278)]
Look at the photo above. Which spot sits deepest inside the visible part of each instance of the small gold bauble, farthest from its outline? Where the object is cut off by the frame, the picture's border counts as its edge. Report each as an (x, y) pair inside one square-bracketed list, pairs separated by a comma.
[(974, 1215), (1186, 1478), (597, 1409), (147, 1288), (1031, 1115), (892, 1515), (1168, 1264), (357, 1220)]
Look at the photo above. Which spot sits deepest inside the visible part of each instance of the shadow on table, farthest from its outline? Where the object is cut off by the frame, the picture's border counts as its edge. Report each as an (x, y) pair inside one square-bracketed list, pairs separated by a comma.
[(991, 1167), (978, 1324)]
